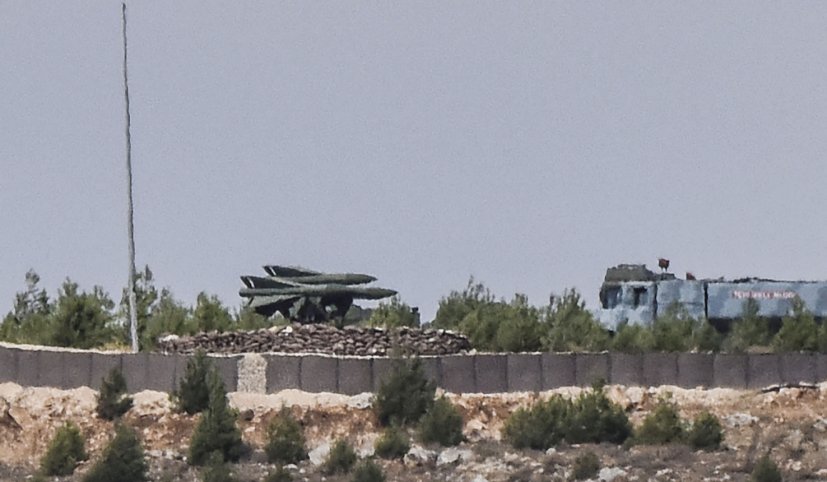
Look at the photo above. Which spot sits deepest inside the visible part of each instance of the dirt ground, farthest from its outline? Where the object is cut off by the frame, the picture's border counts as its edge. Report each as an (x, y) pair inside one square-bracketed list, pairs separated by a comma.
[(789, 424)]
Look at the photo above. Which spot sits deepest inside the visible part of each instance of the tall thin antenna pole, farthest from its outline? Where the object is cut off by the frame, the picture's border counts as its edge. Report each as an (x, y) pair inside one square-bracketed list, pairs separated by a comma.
[(133, 317)]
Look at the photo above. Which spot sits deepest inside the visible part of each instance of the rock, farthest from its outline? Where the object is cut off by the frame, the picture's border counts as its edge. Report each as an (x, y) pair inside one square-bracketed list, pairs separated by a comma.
[(361, 401), (820, 425), (794, 440), (740, 420), (318, 455), (453, 455), (479, 478), (418, 456), (291, 467), (608, 474), (246, 415)]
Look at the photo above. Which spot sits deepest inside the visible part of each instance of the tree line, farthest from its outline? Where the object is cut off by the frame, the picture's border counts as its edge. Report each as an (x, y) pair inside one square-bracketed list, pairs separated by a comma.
[(91, 319)]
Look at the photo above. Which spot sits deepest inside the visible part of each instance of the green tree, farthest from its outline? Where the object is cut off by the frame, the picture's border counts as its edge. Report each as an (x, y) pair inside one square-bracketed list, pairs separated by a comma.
[(210, 314), (123, 459), (799, 331), (632, 339), (751, 330), (673, 330), (167, 316), (113, 400), (405, 395), (393, 314), (341, 458), (285, 439), (30, 319), (663, 425), (81, 319), (216, 431), (193, 394), (458, 304), (572, 327), (65, 451), (521, 328), (441, 424)]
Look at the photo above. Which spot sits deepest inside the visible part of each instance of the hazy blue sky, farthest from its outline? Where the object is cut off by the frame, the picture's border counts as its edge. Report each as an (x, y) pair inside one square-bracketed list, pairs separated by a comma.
[(530, 144)]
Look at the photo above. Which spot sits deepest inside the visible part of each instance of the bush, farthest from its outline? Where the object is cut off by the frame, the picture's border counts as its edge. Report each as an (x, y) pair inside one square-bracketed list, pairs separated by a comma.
[(596, 419), (405, 395), (572, 327), (216, 469), (634, 339), (799, 331), (540, 426), (279, 475), (65, 451), (393, 444), (765, 470), (341, 458), (661, 426), (673, 331), (442, 424), (751, 330), (706, 432), (368, 471), (393, 314), (457, 305), (123, 460), (285, 439), (193, 394), (113, 400), (586, 466), (216, 431)]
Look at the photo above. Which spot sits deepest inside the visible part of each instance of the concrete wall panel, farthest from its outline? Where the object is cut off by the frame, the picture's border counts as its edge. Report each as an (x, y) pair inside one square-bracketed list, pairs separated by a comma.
[(821, 368), (730, 371), (695, 370), (355, 375), (558, 370), (524, 373), (660, 369), (283, 372), (101, 366), (78, 370), (319, 374), (626, 369), (763, 370), (432, 367), (8, 365), (382, 367), (591, 367), (162, 372), (136, 371), (491, 373), (458, 374), (51, 368), (798, 367), (228, 371), (28, 368)]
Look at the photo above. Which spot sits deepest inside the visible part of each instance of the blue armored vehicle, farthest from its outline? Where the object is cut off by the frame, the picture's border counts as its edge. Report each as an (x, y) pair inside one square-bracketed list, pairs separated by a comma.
[(633, 294)]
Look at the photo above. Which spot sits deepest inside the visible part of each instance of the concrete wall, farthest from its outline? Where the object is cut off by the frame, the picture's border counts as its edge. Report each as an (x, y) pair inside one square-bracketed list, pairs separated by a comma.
[(482, 373)]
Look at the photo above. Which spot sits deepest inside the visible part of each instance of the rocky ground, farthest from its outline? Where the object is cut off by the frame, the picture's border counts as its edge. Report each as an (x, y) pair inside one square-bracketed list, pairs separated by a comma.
[(789, 424), (327, 339)]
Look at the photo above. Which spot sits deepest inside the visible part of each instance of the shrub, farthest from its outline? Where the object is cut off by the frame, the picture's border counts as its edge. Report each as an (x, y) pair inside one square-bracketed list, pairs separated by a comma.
[(799, 331), (672, 332), (279, 475), (706, 432), (193, 394), (540, 426), (368, 471), (457, 305), (123, 460), (393, 314), (442, 424), (405, 395), (285, 439), (216, 431), (520, 329), (65, 451), (632, 339), (216, 469), (586, 466), (113, 400), (765, 470), (341, 458), (572, 327), (393, 444), (751, 330), (661, 426), (597, 419), (707, 338)]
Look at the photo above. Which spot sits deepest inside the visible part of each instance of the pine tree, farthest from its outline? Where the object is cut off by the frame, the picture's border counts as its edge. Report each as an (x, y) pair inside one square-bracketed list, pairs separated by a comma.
[(216, 431), (123, 460), (193, 394), (113, 400)]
